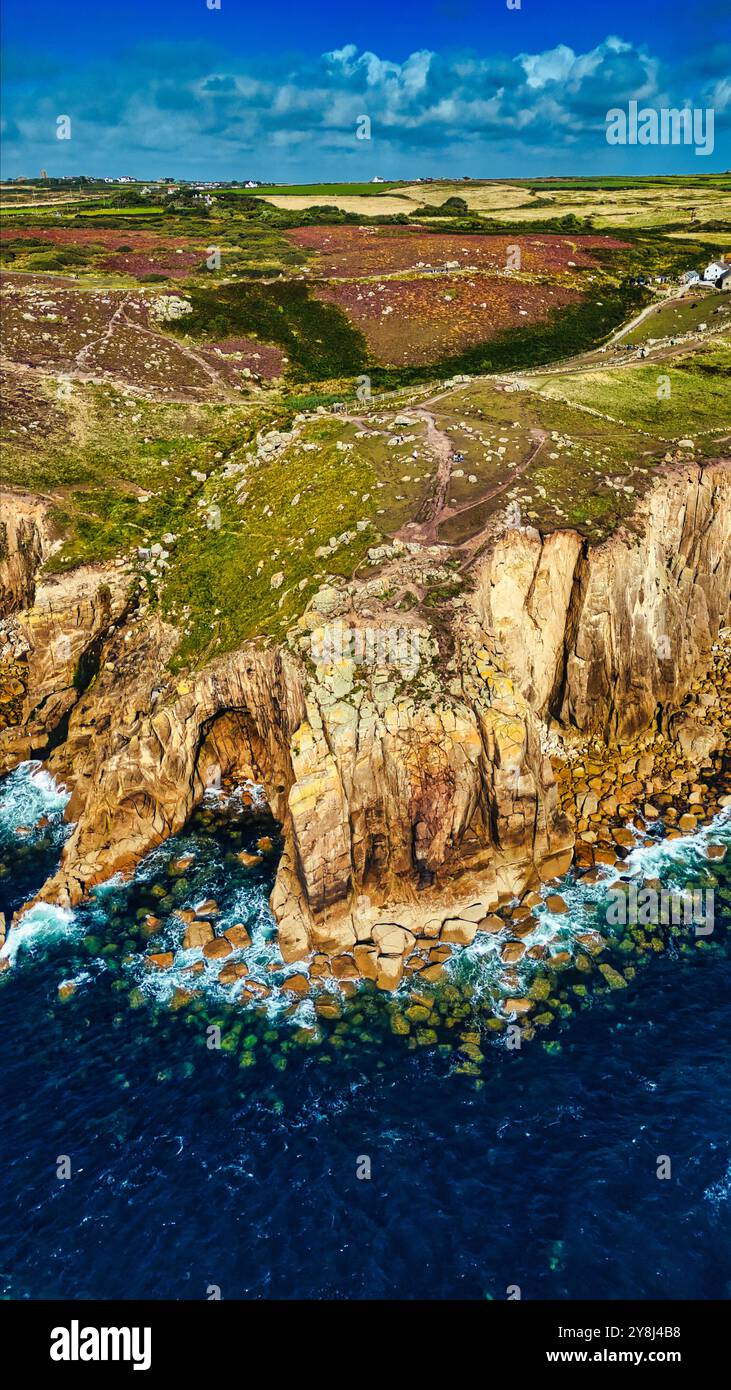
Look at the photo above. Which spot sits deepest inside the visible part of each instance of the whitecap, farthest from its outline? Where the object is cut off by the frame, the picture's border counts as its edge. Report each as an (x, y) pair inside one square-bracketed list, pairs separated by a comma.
[(42, 923), (26, 794), (674, 862)]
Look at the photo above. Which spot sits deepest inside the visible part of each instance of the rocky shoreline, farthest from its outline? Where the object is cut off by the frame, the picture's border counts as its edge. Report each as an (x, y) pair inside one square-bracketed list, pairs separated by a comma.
[(544, 962), (546, 708)]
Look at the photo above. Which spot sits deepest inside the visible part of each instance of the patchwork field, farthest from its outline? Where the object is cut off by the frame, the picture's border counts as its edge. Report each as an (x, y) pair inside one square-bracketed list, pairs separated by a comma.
[(92, 304), (610, 203), (316, 295), (253, 423)]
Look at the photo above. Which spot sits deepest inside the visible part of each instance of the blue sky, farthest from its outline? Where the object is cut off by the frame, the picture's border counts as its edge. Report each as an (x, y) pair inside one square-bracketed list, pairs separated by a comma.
[(172, 88)]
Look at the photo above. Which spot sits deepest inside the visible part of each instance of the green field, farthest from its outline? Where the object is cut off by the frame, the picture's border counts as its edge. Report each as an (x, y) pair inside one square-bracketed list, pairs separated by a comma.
[(699, 397), (680, 316)]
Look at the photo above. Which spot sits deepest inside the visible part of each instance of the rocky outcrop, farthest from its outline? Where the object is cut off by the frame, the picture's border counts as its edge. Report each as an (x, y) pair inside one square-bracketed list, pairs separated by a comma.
[(609, 638), (398, 803), (523, 593), (55, 645), (415, 792), (139, 757), (25, 542)]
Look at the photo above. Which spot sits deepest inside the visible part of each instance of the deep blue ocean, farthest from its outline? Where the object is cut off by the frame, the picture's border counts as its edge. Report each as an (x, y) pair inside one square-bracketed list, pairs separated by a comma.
[(195, 1168)]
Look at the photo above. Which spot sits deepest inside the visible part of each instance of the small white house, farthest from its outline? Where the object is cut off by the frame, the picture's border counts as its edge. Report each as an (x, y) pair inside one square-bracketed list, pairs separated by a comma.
[(715, 270), (691, 277)]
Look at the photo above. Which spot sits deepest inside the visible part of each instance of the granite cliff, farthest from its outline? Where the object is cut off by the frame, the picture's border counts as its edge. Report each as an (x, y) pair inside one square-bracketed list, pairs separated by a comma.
[(410, 773)]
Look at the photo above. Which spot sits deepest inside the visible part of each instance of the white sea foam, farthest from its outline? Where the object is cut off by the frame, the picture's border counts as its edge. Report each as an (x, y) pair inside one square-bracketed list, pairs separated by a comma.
[(26, 794), (719, 1192), (251, 908), (42, 923), (674, 862)]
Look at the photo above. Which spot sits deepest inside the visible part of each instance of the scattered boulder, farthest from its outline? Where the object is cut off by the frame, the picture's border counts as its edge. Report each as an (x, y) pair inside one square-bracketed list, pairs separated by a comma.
[(392, 940), (208, 908), (296, 984), (217, 948), (198, 934), (248, 860), (163, 960), (491, 924), (235, 970), (390, 971), (238, 936), (366, 959), (518, 1005), (613, 977)]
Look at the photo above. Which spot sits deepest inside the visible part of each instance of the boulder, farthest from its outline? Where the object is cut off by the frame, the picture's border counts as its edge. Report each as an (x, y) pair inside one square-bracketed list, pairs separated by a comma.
[(491, 924), (344, 968), (392, 940), (198, 934), (208, 908), (389, 972), (366, 959), (217, 948), (296, 984), (238, 936), (163, 960), (235, 970), (459, 932), (518, 1006)]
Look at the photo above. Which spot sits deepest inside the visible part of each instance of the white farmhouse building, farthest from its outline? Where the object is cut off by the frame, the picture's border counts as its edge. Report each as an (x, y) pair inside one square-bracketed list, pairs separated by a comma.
[(715, 271)]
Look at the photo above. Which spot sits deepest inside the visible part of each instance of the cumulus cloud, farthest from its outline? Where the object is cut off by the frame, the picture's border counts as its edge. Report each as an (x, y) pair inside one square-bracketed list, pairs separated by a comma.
[(192, 107)]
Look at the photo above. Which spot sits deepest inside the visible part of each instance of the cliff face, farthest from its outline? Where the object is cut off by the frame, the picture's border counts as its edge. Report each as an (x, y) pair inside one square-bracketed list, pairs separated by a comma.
[(413, 797), (56, 643), (396, 803), (411, 787), (25, 542), (608, 639)]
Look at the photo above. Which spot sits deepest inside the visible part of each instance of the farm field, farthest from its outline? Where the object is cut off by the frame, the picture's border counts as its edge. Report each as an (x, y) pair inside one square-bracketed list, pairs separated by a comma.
[(699, 398), (610, 203)]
